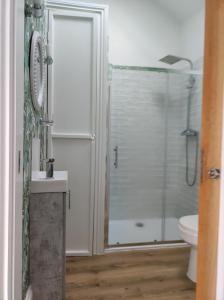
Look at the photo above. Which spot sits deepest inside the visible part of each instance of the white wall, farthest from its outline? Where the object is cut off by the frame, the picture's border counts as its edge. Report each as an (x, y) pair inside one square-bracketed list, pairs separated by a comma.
[(192, 36), (142, 33)]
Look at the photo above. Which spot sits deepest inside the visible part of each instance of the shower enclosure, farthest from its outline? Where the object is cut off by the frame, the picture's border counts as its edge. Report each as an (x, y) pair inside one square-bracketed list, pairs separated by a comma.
[(147, 187)]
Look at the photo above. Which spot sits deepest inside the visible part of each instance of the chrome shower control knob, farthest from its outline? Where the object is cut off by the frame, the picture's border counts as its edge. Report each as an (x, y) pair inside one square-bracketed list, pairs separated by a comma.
[(214, 173)]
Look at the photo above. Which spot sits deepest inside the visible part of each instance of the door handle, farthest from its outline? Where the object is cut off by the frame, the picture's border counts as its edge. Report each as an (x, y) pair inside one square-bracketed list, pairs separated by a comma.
[(214, 173), (93, 137), (116, 157)]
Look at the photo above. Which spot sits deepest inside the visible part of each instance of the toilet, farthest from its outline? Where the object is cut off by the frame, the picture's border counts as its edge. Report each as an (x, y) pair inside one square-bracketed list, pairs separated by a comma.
[(188, 227)]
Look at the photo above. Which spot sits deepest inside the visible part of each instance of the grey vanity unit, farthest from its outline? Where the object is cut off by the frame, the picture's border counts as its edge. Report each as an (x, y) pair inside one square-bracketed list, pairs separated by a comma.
[(47, 239)]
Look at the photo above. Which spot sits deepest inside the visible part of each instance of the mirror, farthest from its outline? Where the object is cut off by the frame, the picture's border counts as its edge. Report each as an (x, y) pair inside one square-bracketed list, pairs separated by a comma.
[(37, 70)]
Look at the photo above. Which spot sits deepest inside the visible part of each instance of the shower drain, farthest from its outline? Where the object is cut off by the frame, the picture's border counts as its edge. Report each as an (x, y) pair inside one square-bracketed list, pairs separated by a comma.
[(139, 224)]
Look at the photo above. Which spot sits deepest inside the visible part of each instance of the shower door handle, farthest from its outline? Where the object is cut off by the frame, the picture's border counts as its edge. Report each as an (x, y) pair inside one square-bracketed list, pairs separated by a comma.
[(116, 157)]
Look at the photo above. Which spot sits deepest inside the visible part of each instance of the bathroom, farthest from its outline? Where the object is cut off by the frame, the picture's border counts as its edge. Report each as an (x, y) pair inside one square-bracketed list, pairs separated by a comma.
[(117, 196), (111, 149), (138, 120)]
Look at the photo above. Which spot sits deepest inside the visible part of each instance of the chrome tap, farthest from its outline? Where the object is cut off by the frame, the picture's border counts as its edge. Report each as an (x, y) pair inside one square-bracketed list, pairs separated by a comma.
[(50, 168), (46, 122)]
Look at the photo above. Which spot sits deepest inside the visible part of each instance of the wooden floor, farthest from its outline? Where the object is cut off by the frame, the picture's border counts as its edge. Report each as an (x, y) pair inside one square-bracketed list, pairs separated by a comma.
[(154, 275)]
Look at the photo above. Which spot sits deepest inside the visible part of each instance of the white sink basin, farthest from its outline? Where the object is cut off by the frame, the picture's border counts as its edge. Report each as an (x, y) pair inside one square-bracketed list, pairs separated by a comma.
[(57, 184)]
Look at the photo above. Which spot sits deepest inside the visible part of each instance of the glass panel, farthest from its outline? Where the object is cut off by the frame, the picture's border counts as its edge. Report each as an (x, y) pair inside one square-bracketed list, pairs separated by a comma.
[(137, 140), (150, 110), (180, 198)]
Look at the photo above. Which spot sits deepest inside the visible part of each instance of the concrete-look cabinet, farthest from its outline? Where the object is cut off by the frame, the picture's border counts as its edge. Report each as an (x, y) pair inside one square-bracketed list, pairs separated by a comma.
[(47, 245)]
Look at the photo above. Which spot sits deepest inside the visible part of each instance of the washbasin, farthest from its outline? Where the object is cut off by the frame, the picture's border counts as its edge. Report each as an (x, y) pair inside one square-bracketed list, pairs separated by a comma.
[(41, 184)]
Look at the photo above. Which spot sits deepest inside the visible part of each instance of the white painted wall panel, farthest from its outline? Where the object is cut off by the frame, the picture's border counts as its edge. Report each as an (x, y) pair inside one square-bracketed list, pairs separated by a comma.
[(73, 50), (75, 156)]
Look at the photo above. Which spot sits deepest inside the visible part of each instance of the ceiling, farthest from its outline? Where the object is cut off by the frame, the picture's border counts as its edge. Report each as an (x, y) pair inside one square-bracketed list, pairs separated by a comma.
[(182, 9)]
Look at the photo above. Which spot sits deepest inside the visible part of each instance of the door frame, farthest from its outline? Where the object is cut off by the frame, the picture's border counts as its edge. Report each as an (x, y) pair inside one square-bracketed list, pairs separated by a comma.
[(11, 150), (220, 258), (211, 204), (54, 6)]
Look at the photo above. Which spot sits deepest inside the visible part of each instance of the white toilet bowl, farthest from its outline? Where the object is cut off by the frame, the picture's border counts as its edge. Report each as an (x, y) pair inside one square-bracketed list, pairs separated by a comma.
[(189, 232)]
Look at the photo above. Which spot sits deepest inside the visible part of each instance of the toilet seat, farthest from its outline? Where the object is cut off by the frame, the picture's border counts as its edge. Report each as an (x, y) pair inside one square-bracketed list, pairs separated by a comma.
[(189, 229)]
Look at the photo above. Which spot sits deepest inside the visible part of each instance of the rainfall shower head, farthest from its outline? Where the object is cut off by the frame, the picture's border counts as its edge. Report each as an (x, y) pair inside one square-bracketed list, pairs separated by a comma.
[(172, 59)]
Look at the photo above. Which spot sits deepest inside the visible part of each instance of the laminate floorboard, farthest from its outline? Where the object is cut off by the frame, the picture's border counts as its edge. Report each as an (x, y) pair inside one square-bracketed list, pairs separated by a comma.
[(154, 275)]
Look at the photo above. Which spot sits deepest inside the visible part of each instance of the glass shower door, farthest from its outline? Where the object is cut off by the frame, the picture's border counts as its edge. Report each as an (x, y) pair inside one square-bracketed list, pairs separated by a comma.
[(137, 159), (180, 198), (148, 192)]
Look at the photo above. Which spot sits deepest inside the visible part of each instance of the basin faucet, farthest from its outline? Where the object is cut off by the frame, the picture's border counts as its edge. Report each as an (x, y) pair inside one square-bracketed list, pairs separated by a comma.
[(46, 122), (50, 168)]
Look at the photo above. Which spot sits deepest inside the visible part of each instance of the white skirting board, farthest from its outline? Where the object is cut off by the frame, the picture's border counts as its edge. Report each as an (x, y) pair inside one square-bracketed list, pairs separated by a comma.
[(29, 294), (78, 253)]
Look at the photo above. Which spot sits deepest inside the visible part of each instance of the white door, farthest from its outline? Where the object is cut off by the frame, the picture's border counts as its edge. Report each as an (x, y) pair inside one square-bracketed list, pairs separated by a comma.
[(73, 91)]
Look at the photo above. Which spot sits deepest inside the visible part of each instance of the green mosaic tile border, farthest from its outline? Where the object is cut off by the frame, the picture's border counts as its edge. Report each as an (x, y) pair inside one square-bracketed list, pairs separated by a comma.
[(151, 69), (31, 129)]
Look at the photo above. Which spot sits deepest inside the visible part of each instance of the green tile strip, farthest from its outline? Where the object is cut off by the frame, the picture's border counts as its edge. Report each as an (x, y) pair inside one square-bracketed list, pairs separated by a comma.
[(151, 69), (138, 68)]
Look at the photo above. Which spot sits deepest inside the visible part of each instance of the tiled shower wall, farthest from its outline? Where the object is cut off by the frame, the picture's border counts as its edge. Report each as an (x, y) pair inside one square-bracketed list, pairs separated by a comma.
[(31, 129), (148, 114), (137, 128), (181, 199)]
